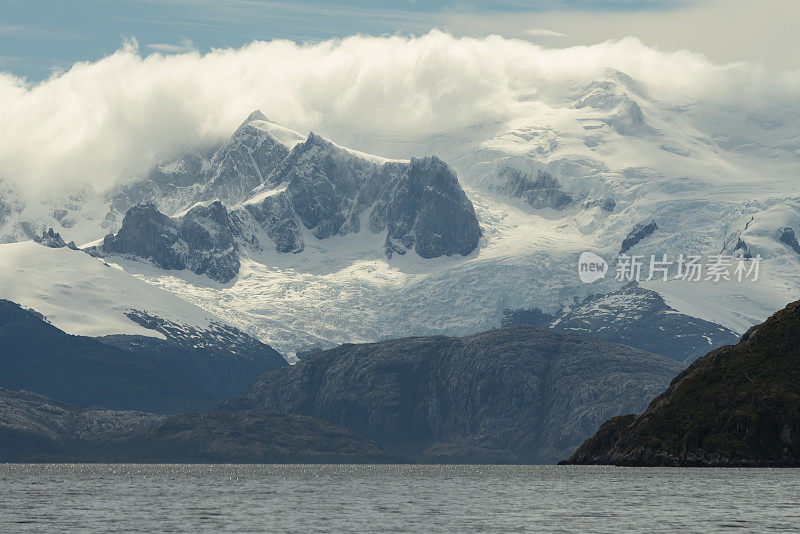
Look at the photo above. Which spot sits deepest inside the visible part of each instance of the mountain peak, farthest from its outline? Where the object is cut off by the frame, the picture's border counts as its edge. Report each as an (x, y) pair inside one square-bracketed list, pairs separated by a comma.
[(256, 116), (317, 140)]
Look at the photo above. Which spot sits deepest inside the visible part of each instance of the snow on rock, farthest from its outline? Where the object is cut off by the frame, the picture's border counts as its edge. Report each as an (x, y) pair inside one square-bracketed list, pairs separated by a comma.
[(81, 295)]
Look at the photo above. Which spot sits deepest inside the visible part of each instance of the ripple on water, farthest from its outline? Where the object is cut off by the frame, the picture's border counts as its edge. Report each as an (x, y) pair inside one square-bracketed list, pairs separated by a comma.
[(334, 498)]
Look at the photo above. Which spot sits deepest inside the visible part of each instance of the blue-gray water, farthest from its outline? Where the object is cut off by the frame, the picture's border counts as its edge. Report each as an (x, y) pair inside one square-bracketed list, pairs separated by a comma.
[(288, 498)]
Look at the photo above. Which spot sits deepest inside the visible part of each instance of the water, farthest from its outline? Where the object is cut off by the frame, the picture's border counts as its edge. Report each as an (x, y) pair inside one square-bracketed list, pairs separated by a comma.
[(293, 498)]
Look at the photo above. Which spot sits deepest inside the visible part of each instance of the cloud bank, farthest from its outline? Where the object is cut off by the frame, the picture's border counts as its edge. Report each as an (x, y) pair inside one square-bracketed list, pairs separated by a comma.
[(105, 120)]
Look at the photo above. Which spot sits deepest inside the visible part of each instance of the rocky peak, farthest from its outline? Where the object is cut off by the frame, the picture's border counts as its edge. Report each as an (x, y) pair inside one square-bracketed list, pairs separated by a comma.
[(314, 139), (255, 116), (639, 317), (243, 163), (427, 211), (51, 238), (325, 184), (319, 185), (787, 236), (201, 240)]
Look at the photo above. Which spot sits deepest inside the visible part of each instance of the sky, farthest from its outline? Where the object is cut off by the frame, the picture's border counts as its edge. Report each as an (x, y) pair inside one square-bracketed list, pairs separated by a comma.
[(42, 37), (99, 90)]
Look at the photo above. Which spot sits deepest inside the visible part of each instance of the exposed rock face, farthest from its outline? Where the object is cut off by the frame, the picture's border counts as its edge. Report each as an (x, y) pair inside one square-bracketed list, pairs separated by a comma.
[(324, 184), (637, 234), (427, 211), (529, 317), (149, 234), (201, 240), (243, 163), (318, 185), (35, 428), (606, 204), (513, 395), (210, 247), (53, 239), (735, 406), (742, 249), (788, 238), (544, 191), (420, 204), (273, 216)]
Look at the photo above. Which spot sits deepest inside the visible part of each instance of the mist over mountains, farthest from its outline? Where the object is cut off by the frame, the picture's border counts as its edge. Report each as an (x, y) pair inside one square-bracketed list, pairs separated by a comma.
[(102, 121)]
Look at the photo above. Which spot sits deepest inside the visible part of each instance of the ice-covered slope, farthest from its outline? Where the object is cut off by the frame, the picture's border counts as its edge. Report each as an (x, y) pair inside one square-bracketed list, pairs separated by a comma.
[(85, 296)]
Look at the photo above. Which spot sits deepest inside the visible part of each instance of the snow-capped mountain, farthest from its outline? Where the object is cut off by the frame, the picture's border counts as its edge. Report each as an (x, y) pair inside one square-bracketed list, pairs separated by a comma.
[(83, 296), (636, 317), (601, 166), (317, 186)]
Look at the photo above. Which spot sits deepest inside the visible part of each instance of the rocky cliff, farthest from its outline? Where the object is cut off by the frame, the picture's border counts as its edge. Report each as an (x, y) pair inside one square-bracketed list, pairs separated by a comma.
[(735, 406), (333, 191), (638, 233), (520, 394), (201, 240), (543, 191)]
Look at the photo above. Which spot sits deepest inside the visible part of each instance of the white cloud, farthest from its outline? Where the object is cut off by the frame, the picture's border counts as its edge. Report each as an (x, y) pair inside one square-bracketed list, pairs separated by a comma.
[(543, 32), (103, 120), (186, 45)]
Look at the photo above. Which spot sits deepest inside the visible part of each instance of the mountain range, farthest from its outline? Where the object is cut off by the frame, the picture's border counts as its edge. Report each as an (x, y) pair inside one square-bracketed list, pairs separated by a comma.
[(637, 317), (515, 395), (270, 228), (519, 395), (229, 261)]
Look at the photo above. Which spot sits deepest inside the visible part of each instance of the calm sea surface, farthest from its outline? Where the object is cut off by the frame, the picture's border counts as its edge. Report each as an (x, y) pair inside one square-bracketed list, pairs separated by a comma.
[(292, 498)]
